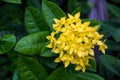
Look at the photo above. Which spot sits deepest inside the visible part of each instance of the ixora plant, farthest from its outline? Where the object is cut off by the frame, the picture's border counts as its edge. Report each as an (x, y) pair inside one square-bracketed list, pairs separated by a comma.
[(56, 46), (75, 42)]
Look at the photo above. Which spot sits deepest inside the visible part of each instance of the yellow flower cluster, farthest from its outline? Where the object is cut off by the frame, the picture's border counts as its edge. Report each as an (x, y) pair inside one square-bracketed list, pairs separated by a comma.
[(74, 41)]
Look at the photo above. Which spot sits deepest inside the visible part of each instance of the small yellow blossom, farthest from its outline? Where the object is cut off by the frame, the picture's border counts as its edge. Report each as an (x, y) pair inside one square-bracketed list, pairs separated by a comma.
[(74, 41)]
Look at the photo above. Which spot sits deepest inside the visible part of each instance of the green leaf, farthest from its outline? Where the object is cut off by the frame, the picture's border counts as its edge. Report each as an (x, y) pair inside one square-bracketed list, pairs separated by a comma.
[(7, 42), (34, 21), (49, 62), (93, 66), (12, 11), (46, 52), (114, 10), (92, 22), (34, 3), (72, 5), (113, 28), (12, 56), (32, 44), (13, 66), (112, 63), (3, 60), (109, 26), (58, 74), (112, 45), (13, 1), (51, 11), (30, 69), (104, 72), (76, 10), (116, 35), (87, 76)]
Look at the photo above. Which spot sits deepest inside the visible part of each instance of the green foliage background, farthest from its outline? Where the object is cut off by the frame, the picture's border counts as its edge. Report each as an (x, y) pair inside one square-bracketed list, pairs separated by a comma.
[(24, 25)]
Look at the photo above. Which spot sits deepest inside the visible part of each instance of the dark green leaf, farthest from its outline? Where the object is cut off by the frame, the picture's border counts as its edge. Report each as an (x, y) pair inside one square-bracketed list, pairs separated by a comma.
[(116, 35), (76, 10), (104, 72), (13, 1), (3, 60), (34, 21), (34, 3), (32, 44), (72, 5), (29, 69), (93, 66), (12, 56), (109, 26), (58, 74), (51, 11), (111, 63), (92, 22), (113, 28), (12, 11), (112, 45), (114, 10), (85, 8), (7, 42), (13, 66), (49, 62), (46, 52), (87, 76)]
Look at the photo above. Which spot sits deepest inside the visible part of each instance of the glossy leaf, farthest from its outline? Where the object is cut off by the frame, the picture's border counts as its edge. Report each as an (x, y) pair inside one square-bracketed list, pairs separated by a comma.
[(7, 42), (87, 76), (13, 1), (58, 74), (34, 21), (29, 69), (31, 44), (111, 63), (51, 11)]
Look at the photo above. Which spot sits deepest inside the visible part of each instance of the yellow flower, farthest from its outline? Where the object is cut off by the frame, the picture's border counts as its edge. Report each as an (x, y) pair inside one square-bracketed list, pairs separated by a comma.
[(52, 40), (75, 41)]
